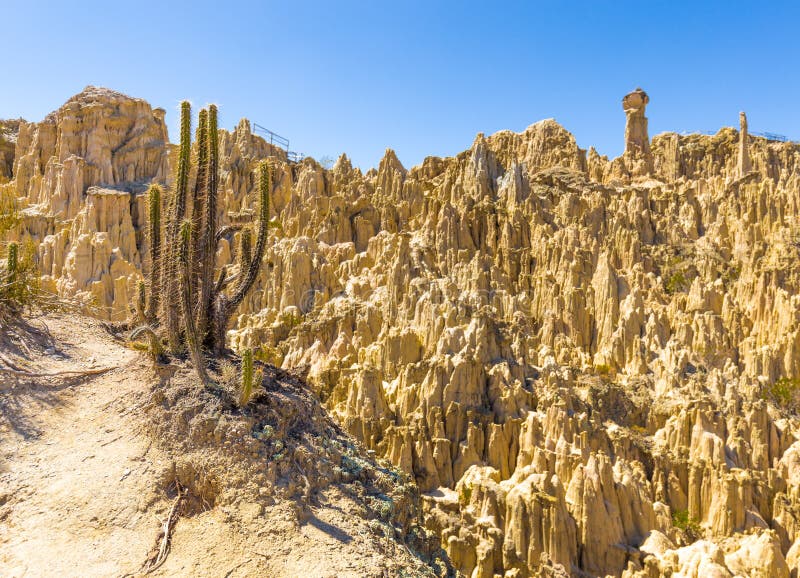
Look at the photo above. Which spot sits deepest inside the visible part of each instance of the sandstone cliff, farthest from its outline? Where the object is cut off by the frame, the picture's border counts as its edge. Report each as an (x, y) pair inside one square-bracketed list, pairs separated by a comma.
[(590, 366)]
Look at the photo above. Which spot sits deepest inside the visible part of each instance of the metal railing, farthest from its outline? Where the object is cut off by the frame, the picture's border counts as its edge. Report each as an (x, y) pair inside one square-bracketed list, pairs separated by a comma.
[(272, 138), (771, 136), (278, 141)]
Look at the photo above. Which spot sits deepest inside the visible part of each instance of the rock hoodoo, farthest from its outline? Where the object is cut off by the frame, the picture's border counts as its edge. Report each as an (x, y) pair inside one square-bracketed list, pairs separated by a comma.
[(637, 141), (744, 154), (585, 376)]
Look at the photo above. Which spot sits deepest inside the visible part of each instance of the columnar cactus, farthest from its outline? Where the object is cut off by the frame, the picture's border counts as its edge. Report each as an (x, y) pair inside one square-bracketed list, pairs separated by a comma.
[(208, 240), (192, 303), (187, 303), (246, 384), (199, 198), (12, 264), (154, 239), (171, 313)]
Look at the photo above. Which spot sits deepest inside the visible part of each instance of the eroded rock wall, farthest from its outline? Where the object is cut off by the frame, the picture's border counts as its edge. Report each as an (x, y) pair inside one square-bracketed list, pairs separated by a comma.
[(576, 357)]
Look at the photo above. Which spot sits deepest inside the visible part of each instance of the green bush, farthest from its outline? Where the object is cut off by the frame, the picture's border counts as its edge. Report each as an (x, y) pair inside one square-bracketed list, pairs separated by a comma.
[(603, 370), (675, 282), (784, 392), (686, 524), (19, 279)]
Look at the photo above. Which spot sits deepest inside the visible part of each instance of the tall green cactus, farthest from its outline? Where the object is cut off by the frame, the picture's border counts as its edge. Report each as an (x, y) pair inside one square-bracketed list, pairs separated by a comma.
[(171, 313), (209, 237), (195, 306), (199, 199), (12, 263), (154, 239), (187, 303)]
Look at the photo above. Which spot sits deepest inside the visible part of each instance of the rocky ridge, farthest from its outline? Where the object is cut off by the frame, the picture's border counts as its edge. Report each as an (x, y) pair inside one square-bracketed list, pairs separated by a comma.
[(590, 366)]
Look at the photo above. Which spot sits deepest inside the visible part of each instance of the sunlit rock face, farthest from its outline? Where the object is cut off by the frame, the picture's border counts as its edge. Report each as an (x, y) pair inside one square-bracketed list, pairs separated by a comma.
[(78, 178), (578, 359)]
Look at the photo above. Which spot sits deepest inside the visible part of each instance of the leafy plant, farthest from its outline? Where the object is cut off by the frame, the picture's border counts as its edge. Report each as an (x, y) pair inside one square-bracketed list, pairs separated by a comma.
[(603, 370)]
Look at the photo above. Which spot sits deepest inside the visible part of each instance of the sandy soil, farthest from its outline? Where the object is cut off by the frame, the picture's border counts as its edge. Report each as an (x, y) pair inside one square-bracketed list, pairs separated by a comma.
[(82, 489)]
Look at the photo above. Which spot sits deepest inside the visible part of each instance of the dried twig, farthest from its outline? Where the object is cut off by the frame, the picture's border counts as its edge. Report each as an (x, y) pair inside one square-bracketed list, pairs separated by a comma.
[(23, 373), (9, 363), (163, 543)]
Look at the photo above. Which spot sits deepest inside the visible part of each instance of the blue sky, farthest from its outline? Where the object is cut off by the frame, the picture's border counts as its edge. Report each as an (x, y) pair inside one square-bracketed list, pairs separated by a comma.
[(420, 77)]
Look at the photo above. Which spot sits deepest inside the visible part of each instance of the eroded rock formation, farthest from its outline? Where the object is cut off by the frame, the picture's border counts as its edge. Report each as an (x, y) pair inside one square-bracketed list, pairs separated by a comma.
[(637, 142), (589, 366), (744, 153)]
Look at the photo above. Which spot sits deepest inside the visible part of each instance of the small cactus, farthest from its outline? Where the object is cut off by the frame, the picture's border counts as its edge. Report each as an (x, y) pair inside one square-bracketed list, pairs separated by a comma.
[(12, 265), (141, 299), (250, 379), (154, 236)]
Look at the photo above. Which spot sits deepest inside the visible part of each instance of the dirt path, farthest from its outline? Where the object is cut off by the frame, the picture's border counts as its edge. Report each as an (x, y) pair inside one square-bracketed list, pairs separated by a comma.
[(82, 492), (73, 469)]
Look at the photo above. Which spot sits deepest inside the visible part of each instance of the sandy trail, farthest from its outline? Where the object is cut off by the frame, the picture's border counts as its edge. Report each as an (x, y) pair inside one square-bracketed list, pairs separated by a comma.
[(73, 467), (82, 491)]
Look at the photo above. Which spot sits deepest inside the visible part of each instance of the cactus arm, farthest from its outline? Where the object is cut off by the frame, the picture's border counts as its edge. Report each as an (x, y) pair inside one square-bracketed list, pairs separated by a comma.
[(172, 297), (187, 303), (245, 248), (208, 240), (265, 186), (155, 343), (197, 254), (224, 307), (154, 233)]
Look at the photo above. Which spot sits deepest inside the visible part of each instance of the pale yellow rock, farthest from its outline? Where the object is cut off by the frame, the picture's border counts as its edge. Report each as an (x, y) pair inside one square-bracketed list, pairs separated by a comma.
[(573, 355)]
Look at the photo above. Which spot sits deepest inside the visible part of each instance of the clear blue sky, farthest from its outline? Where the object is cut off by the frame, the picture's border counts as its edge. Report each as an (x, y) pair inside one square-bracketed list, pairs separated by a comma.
[(420, 77)]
